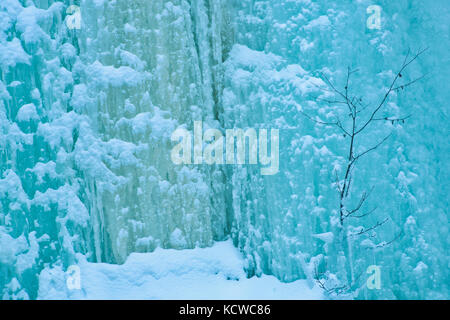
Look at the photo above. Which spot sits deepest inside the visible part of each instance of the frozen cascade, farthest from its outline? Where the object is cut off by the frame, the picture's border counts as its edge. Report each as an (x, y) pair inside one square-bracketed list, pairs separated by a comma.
[(86, 117), (283, 222), (87, 167)]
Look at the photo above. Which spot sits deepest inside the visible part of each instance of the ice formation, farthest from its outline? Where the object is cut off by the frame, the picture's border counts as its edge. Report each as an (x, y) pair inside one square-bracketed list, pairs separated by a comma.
[(86, 117)]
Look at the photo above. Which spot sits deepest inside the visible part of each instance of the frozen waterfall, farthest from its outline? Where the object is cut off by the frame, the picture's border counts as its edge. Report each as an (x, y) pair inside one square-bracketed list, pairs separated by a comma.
[(87, 112)]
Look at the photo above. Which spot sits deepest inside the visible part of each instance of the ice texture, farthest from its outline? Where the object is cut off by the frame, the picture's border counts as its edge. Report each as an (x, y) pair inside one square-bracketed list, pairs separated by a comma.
[(86, 117)]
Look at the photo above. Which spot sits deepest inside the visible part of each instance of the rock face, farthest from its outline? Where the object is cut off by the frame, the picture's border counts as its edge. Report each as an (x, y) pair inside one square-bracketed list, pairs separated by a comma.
[(87, 111)]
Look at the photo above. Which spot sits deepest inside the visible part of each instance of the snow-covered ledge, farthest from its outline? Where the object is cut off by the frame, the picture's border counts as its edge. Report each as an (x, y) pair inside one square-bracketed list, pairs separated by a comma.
[(209, 273)]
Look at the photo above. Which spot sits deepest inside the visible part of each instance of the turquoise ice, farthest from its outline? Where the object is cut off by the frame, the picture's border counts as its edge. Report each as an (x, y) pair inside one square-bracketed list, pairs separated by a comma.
[(86, 116)]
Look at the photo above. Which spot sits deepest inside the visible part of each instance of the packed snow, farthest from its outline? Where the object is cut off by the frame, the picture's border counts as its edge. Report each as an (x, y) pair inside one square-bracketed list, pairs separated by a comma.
[(207, 273)]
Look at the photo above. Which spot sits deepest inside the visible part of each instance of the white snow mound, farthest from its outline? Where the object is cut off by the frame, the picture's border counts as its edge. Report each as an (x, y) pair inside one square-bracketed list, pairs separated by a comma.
[(207, 273)]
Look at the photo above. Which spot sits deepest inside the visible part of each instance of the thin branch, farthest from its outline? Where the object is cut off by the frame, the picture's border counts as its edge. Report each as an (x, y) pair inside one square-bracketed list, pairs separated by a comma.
[(371, 149), (363, 199), (363, 107), (340, 126), (403, 86), (365, 214), (331, 101), (322, 88), (364, 231), (393, 119), (385, 244), (383, 101), (337, 124), (332, 86), (407, 56)]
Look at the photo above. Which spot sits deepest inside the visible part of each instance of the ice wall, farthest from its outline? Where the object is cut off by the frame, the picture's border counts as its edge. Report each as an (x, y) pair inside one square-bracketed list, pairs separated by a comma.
[(86, 117), (285, 223)]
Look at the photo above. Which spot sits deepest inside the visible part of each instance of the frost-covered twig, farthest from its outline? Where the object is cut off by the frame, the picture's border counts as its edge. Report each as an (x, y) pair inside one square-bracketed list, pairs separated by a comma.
[(356, 107)]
